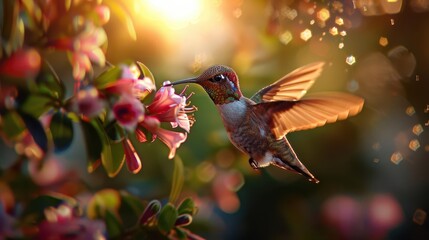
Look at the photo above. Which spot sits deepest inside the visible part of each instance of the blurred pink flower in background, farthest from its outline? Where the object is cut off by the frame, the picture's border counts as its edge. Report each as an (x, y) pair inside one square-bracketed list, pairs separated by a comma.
[(384, 214), (128, 111), (24, 63), (88, 102), (355, 219), (84, 48), (62, 223)]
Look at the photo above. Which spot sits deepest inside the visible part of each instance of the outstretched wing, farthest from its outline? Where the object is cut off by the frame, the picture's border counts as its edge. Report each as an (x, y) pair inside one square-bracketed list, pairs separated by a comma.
[(290, 87), (312, 111)]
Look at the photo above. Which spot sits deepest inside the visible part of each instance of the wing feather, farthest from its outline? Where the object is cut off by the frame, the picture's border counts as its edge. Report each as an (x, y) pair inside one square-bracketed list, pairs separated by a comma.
[(291, 87), (313, 111)]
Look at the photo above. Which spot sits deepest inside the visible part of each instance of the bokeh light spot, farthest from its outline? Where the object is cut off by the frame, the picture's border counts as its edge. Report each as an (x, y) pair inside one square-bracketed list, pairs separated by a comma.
[(333, 31), (350, 60), (306, 34), (323, 14), (419, 216), (417, 129), (414, 144), (383, 41), (396, 158), (410, 111), (286, 37)]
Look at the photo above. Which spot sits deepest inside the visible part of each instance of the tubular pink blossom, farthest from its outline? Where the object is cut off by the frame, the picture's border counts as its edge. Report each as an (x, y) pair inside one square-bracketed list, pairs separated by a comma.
[(131, 157), (170, 138)]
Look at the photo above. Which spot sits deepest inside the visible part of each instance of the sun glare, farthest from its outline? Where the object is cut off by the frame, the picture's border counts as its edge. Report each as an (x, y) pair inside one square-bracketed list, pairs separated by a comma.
[(174, 13)]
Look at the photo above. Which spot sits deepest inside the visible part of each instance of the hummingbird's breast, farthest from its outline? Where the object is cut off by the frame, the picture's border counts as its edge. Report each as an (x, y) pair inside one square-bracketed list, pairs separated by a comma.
[(246, 129)]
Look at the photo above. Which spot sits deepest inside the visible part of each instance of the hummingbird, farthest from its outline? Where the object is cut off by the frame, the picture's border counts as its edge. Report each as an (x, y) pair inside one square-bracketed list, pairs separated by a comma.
[(258, 126)]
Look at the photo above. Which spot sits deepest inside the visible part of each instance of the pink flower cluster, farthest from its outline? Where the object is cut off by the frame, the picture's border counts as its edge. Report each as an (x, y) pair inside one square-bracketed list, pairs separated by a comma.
[(132, 115)]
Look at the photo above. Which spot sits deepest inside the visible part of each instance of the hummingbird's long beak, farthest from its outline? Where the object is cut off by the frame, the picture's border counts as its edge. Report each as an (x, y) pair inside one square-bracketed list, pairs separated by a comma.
[(187, 80)]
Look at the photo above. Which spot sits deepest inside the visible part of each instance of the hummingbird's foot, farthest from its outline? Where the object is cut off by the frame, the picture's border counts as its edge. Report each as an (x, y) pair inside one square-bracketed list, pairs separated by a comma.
[(253, 163)]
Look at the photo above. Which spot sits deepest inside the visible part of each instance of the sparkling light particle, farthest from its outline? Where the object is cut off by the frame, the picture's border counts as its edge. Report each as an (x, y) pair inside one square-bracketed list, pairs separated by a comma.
[(376, 160), (392, 21), (419, 216), (426, 109), (417, 129), (383, 41), (286, 37), (291, 14), (323, 14), (339, 21), (333, 31), (414, 145), (306, 34), (350, 60), (343, 33), (410, 111), (396, 158), (340, 45), (312, 22)]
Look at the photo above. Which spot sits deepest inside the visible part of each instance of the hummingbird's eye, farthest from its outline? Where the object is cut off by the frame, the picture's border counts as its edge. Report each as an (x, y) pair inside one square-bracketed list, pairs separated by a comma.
[(218, 78)]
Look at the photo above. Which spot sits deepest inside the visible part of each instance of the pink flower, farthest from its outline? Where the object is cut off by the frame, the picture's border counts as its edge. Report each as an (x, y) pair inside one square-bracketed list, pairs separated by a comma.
[(84, 48), (170, 138), (88, 102), (170, 107), (129, 83), (24, 63), (128, 111), (62, 223), (103, 14), (131, 157)]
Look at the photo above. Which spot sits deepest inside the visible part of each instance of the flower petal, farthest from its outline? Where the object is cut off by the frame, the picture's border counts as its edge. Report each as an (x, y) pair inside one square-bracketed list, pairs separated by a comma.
[(171, 139), (132, 159)]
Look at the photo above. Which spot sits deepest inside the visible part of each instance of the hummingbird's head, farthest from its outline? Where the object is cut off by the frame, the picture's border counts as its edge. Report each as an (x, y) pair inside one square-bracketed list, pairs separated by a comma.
[(220, 83)]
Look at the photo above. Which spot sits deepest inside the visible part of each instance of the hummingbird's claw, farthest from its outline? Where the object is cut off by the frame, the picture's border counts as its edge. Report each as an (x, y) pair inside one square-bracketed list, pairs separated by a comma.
[(253, 163)]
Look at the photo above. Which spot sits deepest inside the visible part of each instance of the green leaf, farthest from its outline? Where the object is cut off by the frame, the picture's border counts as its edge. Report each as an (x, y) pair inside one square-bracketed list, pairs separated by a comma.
[(36, 105), (167, 218), (36, 130), (115, 132), (48, 83), (181, 234), (107, 77), (130, 209), (112, 155), (103, 200), (62, 131), (187, 206), (123, 16), (178, 179), (93, 144), (113, 225), (12, 125), (145, 70)]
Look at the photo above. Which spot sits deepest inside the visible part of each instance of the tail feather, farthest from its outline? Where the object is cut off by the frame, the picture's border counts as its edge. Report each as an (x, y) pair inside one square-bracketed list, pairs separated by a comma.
[(289, 161)]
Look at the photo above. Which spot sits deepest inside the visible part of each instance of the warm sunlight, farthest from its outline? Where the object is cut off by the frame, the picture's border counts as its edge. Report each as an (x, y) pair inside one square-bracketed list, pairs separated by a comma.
[(175, 13)]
